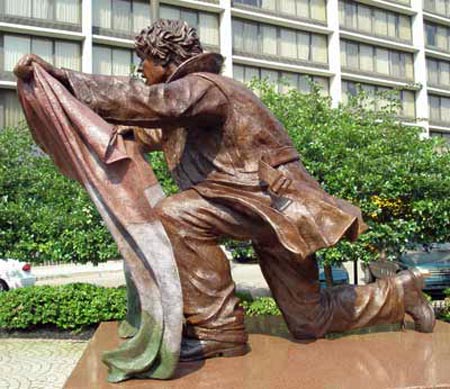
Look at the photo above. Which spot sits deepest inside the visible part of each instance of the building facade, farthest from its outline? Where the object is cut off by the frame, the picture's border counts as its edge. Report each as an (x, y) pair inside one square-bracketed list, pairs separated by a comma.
[(377, 44)]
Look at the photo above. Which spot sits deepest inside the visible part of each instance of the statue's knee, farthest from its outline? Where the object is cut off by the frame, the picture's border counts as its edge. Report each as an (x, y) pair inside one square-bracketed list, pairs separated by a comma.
[(164, 209), (168, 210)]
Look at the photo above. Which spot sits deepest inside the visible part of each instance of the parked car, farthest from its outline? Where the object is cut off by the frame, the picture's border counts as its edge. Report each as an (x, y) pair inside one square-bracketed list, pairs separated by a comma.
[(432, 260), (340, 275), (15, 274)]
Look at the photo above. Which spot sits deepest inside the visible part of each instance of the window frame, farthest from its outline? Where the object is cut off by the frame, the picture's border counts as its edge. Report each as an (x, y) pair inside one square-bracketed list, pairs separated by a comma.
[(402, 61), (50, 20), (280, 11), (346, 5), (111, 30), (353, 87), (280, 78), (279, 57), (8, 74)]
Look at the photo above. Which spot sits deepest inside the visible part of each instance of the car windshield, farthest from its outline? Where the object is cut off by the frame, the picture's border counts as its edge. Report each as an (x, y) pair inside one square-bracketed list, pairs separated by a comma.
[(428, 257)]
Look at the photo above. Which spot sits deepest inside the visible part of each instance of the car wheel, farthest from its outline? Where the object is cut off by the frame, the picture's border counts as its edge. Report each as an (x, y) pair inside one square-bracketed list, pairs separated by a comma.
[(3, 286)]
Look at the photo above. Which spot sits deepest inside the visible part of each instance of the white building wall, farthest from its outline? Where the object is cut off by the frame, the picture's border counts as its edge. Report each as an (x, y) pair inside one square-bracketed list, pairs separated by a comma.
[(334, 51), (420, 70), (226, 37), (86, 28), (226, 11)]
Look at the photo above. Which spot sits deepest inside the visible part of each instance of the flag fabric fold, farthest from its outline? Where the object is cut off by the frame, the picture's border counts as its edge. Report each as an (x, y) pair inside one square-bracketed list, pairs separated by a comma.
[(118, 179)]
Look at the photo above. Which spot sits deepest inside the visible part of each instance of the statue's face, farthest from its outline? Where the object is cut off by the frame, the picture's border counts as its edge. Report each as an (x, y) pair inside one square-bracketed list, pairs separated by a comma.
[(152, 72)]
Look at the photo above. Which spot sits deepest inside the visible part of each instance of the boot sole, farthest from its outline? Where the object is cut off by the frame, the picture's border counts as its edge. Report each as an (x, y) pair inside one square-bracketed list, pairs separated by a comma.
[(428, 321), (237, 351)]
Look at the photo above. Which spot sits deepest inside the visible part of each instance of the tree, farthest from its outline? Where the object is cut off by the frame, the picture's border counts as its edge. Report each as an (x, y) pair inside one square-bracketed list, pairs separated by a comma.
[(43, 215), (399, 180), (368, 157)]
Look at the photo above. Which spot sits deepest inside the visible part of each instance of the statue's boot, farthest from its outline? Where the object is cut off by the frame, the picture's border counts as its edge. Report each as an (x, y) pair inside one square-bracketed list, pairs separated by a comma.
[(196, 349), (415, 302)]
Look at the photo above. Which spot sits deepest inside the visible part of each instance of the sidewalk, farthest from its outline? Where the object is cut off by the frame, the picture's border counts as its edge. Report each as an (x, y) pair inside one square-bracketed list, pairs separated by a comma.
[(248, 277), (37, 363)]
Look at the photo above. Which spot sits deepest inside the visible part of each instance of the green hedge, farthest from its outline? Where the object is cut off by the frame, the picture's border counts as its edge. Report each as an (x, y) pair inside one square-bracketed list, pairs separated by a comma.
[(78, 306), (67, 307), (445, 314)]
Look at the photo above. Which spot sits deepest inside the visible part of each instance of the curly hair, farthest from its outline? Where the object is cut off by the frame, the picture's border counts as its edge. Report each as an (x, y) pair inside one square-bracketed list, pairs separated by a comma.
[(168, 41)]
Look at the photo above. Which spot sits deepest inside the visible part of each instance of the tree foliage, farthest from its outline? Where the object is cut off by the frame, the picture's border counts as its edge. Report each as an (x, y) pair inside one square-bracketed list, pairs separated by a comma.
[(67, 307), (43, 215), (399, 179)]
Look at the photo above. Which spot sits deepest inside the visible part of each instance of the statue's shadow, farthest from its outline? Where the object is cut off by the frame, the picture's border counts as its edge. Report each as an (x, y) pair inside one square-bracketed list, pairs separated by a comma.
[(370, 353), (264, 325)]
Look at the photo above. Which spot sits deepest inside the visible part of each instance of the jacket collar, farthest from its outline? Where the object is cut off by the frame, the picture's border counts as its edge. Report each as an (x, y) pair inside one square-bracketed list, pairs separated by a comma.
[(205, 62)]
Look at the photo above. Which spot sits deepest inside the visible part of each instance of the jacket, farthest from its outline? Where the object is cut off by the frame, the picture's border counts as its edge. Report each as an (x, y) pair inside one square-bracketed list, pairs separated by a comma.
[(214, 133)]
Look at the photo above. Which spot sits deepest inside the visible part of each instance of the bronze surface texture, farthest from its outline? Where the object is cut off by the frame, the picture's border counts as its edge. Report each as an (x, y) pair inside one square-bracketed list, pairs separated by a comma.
[(402, 359), (240, 177)]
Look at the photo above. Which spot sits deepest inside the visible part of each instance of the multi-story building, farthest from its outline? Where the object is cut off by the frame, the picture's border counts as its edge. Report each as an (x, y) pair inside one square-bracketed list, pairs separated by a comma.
[(379, 44)]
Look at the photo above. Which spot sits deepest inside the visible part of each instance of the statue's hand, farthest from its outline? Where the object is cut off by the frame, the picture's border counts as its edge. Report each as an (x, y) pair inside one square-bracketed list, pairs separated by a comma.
[(23, 69)]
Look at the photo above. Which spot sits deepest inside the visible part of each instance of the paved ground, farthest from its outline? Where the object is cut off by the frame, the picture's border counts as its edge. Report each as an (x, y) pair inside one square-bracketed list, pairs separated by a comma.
[(46, 364), (37, 364)]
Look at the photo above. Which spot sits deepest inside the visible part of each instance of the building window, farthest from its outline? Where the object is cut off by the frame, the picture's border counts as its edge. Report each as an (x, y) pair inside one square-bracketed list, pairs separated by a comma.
[(257, 39), (440, 7), (374, 21), (57, 52), (112, 61), (438, 73), (371, 59), (206, 23), (380, 97), (304, 9), (439, 109), (283, 81), (120, 18), (437, 37), (55, 13), (10, 109)]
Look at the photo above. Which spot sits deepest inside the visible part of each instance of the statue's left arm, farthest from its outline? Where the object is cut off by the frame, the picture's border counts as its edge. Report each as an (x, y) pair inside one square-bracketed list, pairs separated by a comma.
[(122, 100)]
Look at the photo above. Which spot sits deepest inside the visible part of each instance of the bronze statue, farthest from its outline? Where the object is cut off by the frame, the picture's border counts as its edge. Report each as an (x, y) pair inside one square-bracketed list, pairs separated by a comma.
[(240, 177)]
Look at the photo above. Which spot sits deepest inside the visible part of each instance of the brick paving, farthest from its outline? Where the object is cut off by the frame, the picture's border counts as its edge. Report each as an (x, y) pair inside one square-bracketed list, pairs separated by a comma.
[(37, 364)]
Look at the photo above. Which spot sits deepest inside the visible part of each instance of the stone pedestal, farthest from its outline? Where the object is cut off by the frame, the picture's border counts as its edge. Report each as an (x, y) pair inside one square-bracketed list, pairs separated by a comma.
[(374, 360)]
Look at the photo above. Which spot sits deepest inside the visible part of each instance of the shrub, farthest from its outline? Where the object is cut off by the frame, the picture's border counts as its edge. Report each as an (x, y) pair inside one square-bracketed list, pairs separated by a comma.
[(262, 306), (399, 180), (77, 306), (242, 252), (445, 313), (43, 215), (66, 307)]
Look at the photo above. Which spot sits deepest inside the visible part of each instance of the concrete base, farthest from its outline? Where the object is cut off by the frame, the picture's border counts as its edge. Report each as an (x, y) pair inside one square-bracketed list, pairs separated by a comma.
[(375, 360)]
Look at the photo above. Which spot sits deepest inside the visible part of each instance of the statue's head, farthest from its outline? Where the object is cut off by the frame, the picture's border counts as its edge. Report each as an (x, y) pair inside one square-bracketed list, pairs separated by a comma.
[(163, 46)]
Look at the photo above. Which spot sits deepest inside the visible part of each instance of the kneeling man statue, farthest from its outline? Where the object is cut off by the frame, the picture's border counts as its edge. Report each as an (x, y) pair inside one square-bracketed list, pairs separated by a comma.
[(240, 177)]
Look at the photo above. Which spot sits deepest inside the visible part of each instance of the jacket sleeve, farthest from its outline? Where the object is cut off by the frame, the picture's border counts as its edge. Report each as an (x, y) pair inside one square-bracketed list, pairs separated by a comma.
[(122, 100)]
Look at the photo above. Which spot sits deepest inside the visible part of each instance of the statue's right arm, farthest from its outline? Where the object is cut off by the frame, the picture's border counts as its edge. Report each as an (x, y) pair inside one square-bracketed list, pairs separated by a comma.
[(24, 70), (191, 100)]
